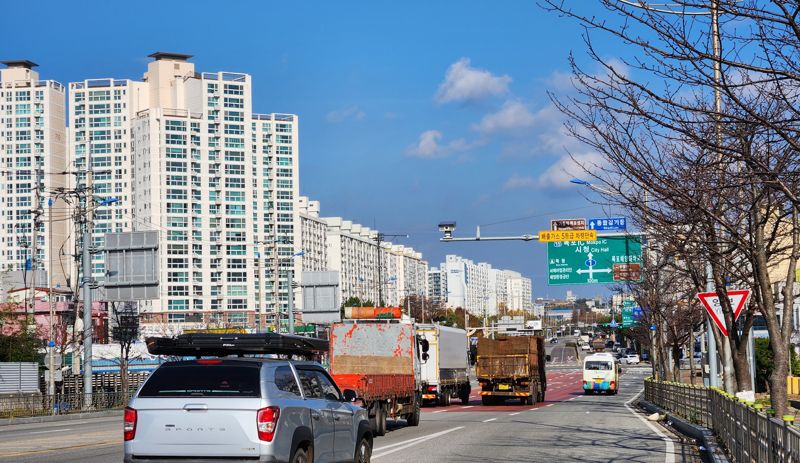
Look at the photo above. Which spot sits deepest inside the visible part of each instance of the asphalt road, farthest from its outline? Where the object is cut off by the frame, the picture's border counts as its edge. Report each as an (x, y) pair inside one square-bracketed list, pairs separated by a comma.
[(567, 427)]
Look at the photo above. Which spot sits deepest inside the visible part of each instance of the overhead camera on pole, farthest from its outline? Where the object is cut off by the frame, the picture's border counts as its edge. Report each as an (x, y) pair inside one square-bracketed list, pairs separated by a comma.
[(447, 228)]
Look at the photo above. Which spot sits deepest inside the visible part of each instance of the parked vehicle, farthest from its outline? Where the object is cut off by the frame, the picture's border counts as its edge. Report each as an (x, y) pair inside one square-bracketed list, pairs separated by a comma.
[(512, 367), (380, 359), (243, 409), (630, 359), (600, 374), (445, 371)]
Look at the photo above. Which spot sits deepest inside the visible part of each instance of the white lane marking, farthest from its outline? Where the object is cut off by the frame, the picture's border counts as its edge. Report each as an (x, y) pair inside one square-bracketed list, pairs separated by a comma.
[(52, 430), (467, 406), (670, 455), (438, 411), (490, 419), (549, 405), (514, 414), (382, 452), (533, 409)]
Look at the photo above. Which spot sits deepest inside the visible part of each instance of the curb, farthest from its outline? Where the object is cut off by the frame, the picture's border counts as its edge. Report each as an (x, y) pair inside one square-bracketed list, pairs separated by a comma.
[(57, 418), (704, 435)]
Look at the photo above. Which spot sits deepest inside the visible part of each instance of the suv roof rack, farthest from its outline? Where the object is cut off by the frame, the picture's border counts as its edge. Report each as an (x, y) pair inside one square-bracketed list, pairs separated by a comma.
[(221, 345)]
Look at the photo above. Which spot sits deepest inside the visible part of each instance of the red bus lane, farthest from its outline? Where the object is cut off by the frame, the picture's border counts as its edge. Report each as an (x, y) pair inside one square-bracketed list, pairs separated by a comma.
[(562, 385)]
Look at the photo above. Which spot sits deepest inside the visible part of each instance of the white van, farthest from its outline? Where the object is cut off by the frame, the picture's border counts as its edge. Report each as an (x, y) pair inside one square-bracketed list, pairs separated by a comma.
[(600, 374)]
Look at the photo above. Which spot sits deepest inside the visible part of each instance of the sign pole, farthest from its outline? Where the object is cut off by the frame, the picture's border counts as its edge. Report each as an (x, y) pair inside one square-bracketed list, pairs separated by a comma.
[(713, 379)]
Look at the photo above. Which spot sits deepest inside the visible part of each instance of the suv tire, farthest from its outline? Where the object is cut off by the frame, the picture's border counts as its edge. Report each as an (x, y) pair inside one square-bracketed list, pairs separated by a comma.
[(300, 456), (363, 451)]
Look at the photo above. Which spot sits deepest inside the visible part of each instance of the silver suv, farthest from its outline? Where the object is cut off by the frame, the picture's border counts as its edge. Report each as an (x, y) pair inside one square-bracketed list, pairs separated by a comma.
[(244, 409)]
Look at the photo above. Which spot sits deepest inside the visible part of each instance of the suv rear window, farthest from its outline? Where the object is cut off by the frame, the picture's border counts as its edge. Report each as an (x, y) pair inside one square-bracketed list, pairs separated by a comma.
[(204, 381)]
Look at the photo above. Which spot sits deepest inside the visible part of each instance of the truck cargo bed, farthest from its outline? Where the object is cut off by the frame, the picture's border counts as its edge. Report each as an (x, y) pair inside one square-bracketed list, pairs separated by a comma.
[(377, 387)]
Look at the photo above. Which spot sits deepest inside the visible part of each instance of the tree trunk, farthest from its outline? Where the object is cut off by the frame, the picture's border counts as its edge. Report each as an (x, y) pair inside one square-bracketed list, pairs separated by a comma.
[(741, 363), (690, 349), (676, 362)]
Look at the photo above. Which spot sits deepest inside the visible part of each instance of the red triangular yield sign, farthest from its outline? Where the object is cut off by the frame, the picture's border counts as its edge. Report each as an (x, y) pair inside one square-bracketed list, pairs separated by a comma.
[(710, 301)]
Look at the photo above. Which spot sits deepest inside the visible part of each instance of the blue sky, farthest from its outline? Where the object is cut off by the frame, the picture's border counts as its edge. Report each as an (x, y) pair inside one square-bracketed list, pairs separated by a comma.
[(411, 112)]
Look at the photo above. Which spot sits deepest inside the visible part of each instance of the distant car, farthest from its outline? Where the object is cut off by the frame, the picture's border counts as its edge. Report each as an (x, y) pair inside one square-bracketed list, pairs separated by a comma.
[(586, 346), (609, 344), (616, 346), (553, 340), (630, 359)]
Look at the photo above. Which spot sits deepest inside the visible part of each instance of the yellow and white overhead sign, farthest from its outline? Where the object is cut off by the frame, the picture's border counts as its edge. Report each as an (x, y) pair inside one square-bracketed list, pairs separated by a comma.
[(547, 236)]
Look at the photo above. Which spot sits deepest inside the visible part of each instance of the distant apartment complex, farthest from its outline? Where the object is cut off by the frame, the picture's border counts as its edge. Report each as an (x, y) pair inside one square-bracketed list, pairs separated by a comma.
[(33, 144), (481, 289), (336, 244)]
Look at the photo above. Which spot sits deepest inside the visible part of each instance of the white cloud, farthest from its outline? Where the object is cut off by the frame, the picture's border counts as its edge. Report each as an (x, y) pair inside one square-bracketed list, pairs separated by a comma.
[(517, 182), (463, 83), (429, 145), (350, 112), (577, 165), (513, 116)]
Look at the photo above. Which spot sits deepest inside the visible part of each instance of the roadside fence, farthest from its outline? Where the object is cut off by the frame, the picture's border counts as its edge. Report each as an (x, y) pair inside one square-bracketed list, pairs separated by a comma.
[(747, 432), (27, 405)]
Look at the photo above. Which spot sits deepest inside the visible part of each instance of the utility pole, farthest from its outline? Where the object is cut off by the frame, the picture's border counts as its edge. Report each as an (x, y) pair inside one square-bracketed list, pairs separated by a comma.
[(86, 261), (52, 344)]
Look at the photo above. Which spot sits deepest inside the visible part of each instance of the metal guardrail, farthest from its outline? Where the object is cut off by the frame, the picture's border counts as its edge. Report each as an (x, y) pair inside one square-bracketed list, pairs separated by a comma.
[(27, 405), (747, 432)]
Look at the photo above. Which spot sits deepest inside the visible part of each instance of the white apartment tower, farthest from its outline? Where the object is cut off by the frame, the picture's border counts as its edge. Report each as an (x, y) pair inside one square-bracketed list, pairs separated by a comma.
[(313, 231), (33, 155), (406, 273), (186, 156)]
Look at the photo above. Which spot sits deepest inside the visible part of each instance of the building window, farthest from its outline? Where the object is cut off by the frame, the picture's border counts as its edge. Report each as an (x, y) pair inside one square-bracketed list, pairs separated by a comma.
[(178, 304)]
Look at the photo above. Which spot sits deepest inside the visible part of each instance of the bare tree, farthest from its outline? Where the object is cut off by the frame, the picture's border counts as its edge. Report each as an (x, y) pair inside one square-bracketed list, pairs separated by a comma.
[(707, 124)]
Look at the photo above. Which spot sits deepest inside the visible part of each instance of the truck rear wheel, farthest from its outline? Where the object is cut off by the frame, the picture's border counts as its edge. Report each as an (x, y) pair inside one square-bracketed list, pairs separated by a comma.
[(487, 400), (413, 418), (444, 398), (463, 394), (380, 420)]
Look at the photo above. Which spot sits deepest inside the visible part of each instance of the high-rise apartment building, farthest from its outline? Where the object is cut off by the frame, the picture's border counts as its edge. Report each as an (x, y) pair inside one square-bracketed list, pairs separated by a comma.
[(314, 233), (185, 155), (406, 273), (437, 285), (32, 165), (353, 252), (481, 289)]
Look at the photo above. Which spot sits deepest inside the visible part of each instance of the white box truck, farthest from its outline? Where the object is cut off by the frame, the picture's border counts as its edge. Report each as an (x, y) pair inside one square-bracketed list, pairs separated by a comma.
[(445, 373)]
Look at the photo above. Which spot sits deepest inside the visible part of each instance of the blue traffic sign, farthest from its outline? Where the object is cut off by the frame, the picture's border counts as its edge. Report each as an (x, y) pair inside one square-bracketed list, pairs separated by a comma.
[(637, 313), (653, 327), (613, 324), (608, 224)]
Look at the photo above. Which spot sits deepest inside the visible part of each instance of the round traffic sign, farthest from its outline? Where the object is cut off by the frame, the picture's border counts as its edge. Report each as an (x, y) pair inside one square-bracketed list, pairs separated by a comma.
[(590, 262)]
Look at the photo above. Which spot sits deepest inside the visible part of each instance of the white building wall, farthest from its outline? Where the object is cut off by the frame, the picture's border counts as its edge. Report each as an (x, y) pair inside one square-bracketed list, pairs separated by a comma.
[(32, 149)]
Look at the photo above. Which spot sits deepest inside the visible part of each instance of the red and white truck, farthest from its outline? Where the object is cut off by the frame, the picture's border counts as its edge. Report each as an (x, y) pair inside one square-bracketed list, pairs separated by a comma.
[(379, 359)]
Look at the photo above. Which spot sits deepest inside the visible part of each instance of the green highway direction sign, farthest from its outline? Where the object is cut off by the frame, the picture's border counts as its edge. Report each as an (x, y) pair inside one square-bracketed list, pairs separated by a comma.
[(610, 259), (627, 318)]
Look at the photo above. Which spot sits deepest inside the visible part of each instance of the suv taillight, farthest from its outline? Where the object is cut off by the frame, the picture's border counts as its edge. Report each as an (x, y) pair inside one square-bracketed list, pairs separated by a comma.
[(129, 423), (267, 422)]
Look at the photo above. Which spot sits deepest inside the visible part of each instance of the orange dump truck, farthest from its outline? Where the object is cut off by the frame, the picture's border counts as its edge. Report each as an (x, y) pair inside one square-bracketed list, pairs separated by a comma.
[(380, 359), (511, 368)]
